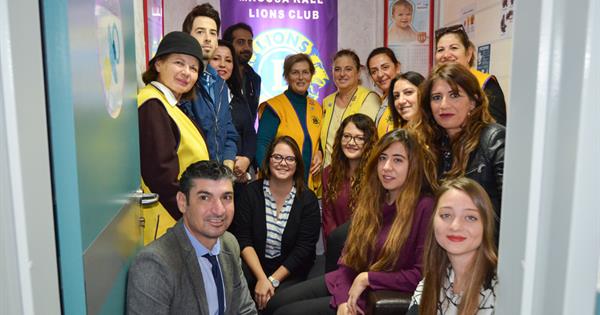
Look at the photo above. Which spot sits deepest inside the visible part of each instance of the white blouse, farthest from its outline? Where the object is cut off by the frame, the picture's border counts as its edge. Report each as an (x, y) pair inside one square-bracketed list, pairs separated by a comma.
[(449, 301)]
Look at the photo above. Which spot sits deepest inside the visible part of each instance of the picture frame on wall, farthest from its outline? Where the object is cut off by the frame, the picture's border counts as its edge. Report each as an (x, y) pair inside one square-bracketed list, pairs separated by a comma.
[(408, 31)]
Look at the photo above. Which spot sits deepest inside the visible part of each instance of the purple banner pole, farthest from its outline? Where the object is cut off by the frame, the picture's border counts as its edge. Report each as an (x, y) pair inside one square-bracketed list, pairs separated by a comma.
[(284, 27)]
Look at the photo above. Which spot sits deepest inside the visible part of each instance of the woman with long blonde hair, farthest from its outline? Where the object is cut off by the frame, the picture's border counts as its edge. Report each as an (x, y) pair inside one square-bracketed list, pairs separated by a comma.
[(460, 253), (384, 248)]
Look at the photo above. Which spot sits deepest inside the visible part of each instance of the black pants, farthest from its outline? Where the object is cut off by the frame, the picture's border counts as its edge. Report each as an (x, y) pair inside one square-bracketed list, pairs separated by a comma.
[(308, 297), (335, 245)]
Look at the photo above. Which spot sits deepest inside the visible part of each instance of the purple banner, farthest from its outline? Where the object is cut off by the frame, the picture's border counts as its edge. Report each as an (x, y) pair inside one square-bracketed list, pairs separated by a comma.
[(284, 27)]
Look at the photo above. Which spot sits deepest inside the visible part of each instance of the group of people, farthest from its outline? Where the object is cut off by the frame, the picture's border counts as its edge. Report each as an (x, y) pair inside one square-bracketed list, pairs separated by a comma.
[(405, 182)]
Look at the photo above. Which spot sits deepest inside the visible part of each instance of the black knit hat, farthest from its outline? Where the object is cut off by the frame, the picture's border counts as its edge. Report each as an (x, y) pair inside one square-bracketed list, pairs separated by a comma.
[(179, 43)]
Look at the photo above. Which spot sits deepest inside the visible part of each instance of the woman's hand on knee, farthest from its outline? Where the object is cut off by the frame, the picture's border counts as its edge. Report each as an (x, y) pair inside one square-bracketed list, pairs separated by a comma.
[(263, 291), (361, 282)]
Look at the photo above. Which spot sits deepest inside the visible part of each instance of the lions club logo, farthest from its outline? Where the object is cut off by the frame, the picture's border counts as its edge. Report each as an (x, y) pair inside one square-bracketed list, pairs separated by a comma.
[(270, 49)]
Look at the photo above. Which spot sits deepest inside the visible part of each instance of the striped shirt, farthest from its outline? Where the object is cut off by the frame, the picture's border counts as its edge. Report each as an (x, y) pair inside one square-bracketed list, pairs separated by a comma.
[(276, 224)]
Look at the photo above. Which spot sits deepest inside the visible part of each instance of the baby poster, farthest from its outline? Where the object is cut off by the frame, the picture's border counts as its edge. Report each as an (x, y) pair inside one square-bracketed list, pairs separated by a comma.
[(407, 33)]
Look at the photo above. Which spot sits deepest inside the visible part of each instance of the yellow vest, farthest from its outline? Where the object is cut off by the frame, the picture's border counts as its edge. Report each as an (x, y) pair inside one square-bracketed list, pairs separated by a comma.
[(192, 148), (354, 107), (289, 125), (482, 77), (386, 123)]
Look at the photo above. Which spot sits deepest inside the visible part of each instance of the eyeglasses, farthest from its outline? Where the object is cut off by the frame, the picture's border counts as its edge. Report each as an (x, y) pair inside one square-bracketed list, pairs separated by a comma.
[(278, 158), (458, 28), (359, 140)]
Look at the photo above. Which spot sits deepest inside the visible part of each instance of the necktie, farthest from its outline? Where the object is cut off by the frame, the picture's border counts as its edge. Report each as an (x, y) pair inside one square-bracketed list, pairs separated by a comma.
[(218, 281)]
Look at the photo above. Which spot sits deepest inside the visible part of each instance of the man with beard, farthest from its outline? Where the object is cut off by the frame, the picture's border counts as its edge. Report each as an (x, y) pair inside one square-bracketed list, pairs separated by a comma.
[(240, 35)]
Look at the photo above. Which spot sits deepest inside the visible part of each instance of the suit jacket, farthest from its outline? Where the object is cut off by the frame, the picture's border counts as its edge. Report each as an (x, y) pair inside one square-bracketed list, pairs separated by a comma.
[(165, 278), (301, 230)]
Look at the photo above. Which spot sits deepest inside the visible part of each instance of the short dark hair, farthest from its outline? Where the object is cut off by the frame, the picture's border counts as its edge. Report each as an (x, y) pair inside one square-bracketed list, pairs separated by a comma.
[(291, 60), (206, 10), (265, 170), (212, 170), (385, 51), (228, 34)]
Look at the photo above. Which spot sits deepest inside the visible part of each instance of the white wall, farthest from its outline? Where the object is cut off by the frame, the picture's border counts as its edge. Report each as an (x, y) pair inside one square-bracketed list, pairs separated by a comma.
[(487, 31)]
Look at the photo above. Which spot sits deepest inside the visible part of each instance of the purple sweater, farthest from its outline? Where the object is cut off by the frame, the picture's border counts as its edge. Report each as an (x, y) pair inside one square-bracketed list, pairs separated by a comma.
[(406, 274), (337, 212)]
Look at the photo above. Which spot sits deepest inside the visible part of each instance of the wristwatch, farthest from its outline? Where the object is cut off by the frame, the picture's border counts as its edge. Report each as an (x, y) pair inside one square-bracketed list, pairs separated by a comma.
[(274, 281)]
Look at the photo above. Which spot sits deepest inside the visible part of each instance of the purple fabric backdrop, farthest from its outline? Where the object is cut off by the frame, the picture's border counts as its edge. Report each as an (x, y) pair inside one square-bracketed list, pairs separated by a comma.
[(283, 27)]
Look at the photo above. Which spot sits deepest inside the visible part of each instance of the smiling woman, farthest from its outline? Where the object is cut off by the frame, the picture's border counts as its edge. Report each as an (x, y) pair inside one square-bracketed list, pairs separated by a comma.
[(350, 98), (459, 133), (390, 220), (278, 223), (294, 114), (460, 254), (169, 140), (383, 67)]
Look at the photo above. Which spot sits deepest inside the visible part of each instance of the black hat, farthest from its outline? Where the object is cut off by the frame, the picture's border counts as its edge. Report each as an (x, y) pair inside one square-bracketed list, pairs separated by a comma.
[(178, 43)]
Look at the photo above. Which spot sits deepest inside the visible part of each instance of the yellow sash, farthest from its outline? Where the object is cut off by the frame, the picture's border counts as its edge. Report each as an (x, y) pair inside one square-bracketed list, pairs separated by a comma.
[(192, 148), (482, 77), (385, 123), (289, 125), (354, 107)]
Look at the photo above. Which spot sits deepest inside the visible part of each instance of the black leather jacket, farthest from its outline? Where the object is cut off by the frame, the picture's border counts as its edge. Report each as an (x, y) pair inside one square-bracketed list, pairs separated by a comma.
[(486, 164)]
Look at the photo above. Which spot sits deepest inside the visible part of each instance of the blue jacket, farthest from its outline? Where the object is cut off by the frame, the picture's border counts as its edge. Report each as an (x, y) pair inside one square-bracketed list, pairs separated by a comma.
[(214, 117)]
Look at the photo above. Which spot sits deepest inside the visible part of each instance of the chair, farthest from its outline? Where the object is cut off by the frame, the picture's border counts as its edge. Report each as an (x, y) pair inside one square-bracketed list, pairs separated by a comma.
[(384, 302)]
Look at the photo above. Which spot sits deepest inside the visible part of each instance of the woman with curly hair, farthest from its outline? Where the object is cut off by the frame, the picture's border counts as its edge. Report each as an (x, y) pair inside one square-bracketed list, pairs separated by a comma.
[(386, 239), (353, 142), (460, 134), (460, 254)]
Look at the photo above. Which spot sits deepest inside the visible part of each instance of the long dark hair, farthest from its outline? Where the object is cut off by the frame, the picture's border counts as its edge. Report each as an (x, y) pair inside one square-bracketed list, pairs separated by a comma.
[(265, 170), (342, 165), (413, 77), (467, 140), (367, 218), (234, 83)]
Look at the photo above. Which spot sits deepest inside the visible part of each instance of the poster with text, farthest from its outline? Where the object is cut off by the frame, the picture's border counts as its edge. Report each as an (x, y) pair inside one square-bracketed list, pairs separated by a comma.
[(287, 27), (408, 33)]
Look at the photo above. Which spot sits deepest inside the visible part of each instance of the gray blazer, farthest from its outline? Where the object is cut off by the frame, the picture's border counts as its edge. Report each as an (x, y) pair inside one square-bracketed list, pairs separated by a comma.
[(165, 278)]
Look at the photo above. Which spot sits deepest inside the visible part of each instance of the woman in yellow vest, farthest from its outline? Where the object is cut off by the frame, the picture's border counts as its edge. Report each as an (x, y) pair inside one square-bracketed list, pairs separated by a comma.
[(452, 44), (350, 98), (294, 114), (383, 67), (169, 140)]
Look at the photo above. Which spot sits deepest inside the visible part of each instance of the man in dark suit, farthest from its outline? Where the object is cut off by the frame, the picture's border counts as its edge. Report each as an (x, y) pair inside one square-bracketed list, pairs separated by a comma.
[(195, 267)]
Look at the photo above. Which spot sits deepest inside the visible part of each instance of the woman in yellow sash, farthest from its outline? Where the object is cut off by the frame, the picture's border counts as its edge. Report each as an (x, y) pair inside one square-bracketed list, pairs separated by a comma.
[(294, 114), (452, 44), (350, 98), (383, 67), (169, 140)]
